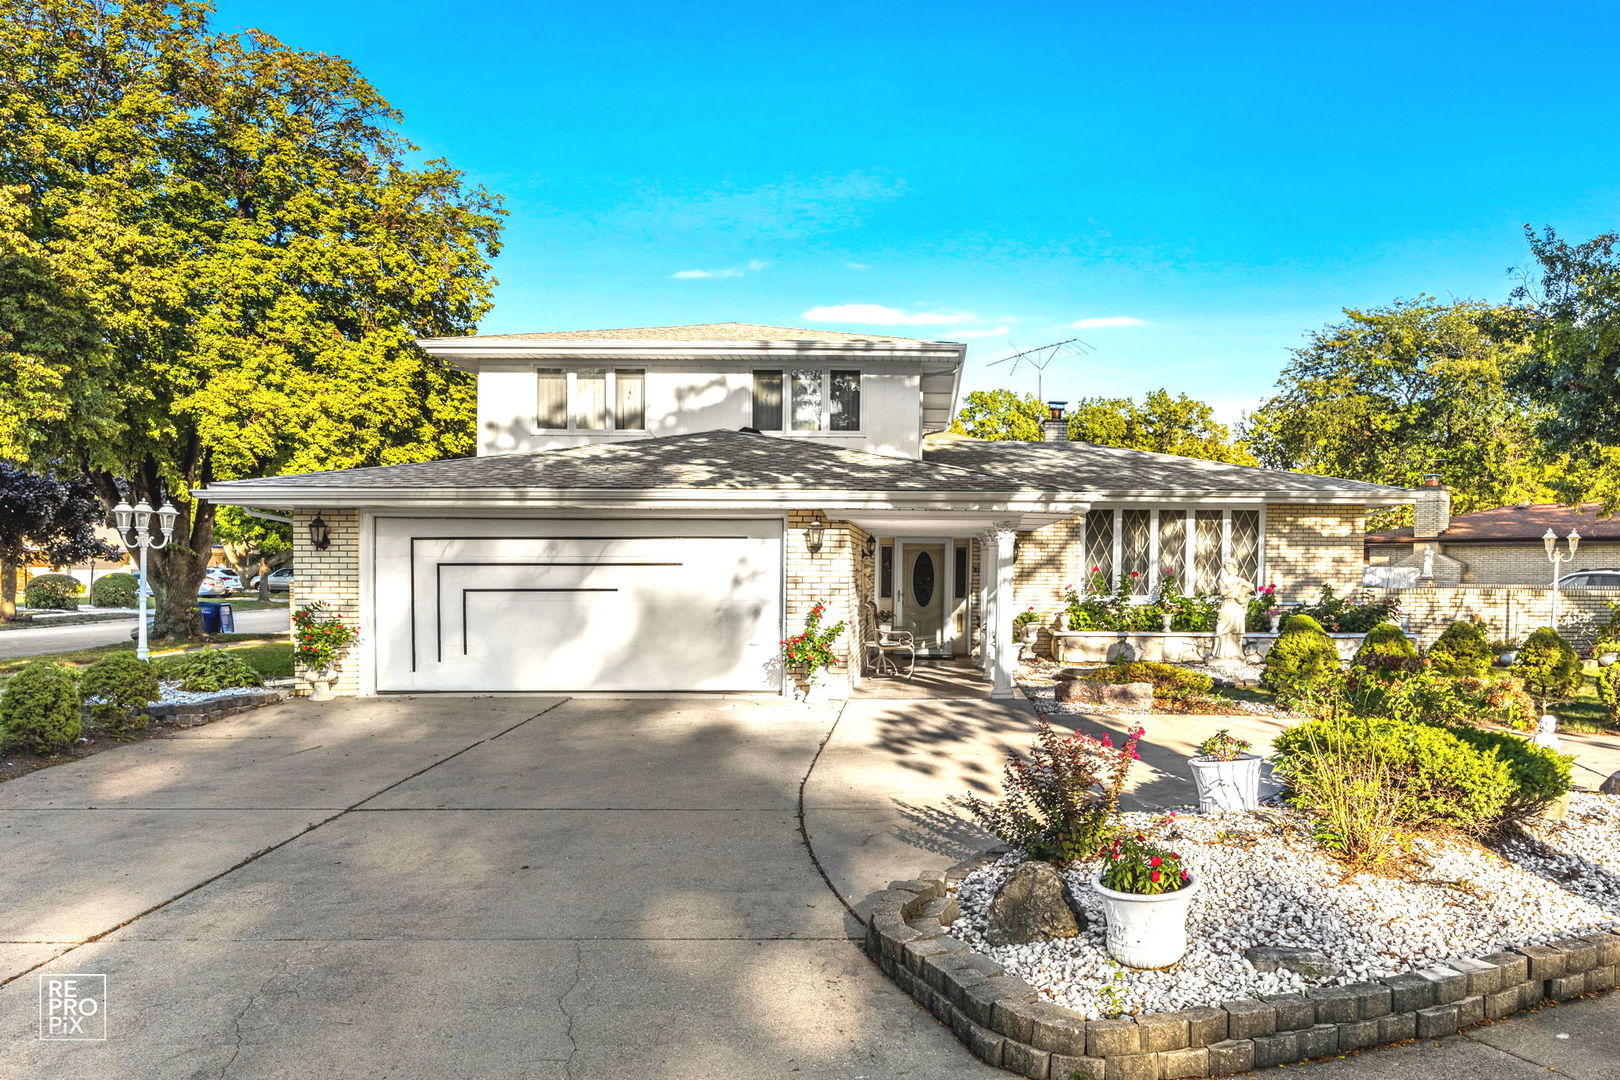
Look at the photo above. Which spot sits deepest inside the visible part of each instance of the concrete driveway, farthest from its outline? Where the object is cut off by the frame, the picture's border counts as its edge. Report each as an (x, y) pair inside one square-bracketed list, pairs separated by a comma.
[(445, 887)]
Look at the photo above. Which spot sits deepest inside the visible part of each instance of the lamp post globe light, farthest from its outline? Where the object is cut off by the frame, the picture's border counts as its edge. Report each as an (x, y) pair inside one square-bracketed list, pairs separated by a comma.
[(134, 525), (1549, 540)]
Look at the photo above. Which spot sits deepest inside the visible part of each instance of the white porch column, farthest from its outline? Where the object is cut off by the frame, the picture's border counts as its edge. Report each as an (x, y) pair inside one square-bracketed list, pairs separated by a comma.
[(1003, 536), (987, 610)]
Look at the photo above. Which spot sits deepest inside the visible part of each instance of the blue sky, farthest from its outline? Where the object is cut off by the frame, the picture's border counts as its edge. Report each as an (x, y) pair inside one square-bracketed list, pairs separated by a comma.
[(1209, 181)]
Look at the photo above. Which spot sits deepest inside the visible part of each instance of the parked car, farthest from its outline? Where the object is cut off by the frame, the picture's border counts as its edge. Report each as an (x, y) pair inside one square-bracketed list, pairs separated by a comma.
[(224, 574), (1590, 579), (280, 580), (213, 586)]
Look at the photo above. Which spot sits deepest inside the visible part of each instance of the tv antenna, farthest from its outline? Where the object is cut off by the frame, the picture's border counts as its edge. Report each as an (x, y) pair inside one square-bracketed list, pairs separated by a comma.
[(1040, 358)]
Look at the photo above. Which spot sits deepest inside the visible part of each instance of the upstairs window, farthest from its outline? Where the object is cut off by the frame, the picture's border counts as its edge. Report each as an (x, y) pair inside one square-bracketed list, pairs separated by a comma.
[(807, 399), (590, 399)]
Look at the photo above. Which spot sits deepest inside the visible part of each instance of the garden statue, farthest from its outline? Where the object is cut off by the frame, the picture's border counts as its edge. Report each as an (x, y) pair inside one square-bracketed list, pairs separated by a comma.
[(1547, 733), (1233, 617)]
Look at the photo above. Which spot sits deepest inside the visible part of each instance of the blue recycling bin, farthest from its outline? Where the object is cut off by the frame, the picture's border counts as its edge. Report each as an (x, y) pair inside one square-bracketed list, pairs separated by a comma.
[(210, 617)]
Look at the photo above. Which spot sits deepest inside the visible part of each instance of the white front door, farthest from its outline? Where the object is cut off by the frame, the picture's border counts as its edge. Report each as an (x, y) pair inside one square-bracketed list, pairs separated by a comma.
[(557, 604), (923, 593)]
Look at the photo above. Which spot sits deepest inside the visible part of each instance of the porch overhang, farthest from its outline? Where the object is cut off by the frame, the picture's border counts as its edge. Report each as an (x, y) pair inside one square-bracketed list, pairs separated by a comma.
[(947, 524)]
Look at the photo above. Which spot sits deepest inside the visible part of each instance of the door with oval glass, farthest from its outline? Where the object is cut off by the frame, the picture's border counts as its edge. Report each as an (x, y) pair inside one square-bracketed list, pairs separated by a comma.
[(924, 594)]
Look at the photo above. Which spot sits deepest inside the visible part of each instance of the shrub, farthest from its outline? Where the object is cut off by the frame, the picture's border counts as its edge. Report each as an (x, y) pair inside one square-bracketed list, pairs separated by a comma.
[(1133, 865), (1548, 666), (1539, 775), (1386, 652), (52, 591), (1223, 746), (1420, 697), (810, 649), (117, 689), (1060, 802), (1349, 790), (1506, 700), (320, 637), (1462, 652), (208, 670), (1170, 683), (1608, 691), (114, 590), (1440, 779), (39, 710), (1302, 661), (1344, 617)]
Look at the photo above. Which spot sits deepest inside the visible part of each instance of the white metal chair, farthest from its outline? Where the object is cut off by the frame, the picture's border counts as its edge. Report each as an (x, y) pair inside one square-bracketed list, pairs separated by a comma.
[(880, 643)]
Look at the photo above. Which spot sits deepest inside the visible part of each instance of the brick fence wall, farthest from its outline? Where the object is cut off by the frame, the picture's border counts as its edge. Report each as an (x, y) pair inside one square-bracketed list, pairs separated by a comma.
[(1511, 612), (332, 576)]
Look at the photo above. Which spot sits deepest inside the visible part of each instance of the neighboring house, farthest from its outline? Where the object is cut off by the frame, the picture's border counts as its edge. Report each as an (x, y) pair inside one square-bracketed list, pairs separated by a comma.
[(655, 509), (1503, 546)]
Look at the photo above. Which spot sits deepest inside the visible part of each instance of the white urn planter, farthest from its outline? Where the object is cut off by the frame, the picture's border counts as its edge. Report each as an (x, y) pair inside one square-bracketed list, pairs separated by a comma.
[(1227, 787), (814, 688), (320, 685), (1146, 931)]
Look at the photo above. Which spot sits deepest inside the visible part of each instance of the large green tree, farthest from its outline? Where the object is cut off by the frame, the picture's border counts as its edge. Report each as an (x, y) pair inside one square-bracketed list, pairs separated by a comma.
[(1000, 415), (1159, 422), (1573, 370), (222, 250), (1392, 393)]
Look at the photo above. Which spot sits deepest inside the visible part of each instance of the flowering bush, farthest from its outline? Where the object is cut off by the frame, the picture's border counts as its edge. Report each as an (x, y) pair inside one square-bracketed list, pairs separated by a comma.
[(319, 638), (811, 648), (1261, 608), (1343, 617), (1060, 802), (1024, 618), (1223, 746), (1103, 606), (1131, 864)]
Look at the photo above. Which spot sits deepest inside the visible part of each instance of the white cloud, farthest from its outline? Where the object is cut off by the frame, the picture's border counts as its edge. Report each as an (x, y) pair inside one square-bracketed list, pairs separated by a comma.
[(1106, 321), (1000, 331), (878, 315), (857, 266), (725, 272)]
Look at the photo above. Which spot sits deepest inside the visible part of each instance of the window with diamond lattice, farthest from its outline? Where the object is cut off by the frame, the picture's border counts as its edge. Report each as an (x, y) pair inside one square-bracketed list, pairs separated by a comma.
[(1172, 545), (1099, 546), (1207, 550), (1136, 539), (1246, 543)]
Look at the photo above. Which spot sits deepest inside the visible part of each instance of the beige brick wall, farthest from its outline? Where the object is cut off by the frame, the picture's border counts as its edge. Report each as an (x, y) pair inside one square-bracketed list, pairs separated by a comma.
[(1309, 546), (1049, 560), (1511, 613), (840, 573), (1526, 564), (332, 576)]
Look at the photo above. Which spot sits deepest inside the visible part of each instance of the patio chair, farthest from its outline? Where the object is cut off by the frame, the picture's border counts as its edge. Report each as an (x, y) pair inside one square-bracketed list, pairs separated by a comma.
[(880, 644)]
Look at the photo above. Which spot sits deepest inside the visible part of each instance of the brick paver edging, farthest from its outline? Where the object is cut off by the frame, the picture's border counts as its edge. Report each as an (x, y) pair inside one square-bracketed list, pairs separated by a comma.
[(217, 708), (1005, 1023)]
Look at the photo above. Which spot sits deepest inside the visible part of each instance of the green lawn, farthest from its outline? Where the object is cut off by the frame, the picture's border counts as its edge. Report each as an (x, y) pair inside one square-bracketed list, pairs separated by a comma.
[(270, 654)]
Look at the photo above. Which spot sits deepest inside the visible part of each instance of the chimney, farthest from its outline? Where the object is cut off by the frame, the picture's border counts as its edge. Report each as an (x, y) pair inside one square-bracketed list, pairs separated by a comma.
[(1055, 428), (1432, 508)]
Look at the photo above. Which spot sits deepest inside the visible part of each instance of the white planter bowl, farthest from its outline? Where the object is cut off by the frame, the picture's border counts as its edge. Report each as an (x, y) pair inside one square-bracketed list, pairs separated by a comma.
[(1227, 787), (1146, 931)]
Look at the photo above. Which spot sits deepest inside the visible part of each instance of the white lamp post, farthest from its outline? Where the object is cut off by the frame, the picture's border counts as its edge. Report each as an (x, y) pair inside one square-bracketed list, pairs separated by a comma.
[(136, 521), (1550, 540)]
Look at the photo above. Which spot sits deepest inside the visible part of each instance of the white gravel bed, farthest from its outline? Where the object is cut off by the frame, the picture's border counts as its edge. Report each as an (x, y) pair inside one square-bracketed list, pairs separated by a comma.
[(173, 695), (1266, 883)]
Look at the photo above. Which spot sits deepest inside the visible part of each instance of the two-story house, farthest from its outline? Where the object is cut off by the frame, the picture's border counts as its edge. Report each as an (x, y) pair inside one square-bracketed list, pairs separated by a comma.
[(655, 509)]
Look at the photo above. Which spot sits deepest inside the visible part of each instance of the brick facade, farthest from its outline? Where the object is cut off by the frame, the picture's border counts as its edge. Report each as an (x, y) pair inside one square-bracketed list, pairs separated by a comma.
[(1311, 546), (1509, 564), (1510, 612), (332, 576), (840, 573)]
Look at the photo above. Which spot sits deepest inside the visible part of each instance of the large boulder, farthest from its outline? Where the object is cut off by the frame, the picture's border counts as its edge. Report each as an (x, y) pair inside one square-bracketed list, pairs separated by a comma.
[(1131, 696), (1033, 905), (1308, 962), (1611, 786)]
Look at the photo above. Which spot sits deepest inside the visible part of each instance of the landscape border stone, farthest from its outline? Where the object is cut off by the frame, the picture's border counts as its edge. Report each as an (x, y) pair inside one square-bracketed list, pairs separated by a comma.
[(1003, 1020), (215, 708)]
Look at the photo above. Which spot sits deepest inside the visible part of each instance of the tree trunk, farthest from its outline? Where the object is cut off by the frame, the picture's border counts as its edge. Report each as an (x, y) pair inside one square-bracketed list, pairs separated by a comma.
[(264, 579), (8, 589)]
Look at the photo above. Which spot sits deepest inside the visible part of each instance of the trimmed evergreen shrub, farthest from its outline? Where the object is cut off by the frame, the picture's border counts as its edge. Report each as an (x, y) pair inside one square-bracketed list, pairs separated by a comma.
[(1462, 652), (1440, 779), (1170, 683), (59, 591), (1608, 691), (39, 711), (114, 590), (117, 689), (1302, 660), (1548, 667), (1386, 652), (1539, 775), (208, 670)]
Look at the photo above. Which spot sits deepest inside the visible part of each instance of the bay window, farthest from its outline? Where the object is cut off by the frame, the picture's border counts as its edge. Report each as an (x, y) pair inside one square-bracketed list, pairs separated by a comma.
[(807, 399)]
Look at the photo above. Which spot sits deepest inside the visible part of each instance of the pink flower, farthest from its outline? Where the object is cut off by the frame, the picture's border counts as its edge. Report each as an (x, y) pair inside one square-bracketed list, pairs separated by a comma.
[(1155, 876)]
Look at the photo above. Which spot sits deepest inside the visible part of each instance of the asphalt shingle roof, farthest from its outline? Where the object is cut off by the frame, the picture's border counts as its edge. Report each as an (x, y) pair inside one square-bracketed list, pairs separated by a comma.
[(1515, 524), (727, 331), (1109, 470), (712, 460)]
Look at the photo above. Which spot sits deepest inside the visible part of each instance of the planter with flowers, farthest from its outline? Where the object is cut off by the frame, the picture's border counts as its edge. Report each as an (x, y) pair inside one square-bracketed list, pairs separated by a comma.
[(1227, 775), (808, 654), (1026, 625), (1146, 893), (319, 640)]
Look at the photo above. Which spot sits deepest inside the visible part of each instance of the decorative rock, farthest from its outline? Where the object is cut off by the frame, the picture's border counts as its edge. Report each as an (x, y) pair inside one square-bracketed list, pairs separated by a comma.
[(1129, 697), (1314, 965), (1611, 786), (1032, 906)]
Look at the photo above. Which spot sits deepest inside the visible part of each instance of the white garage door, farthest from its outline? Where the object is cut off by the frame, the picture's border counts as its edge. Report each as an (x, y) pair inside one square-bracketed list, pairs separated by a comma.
[(541, 604)]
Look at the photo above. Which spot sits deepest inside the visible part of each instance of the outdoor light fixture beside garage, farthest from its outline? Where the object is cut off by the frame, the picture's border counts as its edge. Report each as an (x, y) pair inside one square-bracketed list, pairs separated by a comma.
[(320, 537), (813, 534)]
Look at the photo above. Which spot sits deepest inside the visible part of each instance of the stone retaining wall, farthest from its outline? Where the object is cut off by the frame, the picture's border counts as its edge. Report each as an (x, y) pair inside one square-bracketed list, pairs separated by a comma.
[(1006, 1023)]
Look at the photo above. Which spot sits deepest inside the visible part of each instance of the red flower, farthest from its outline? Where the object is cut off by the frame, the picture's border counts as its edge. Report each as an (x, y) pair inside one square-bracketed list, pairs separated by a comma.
[(1186, 876), (1135, 574), (1154, 876), (1096, 569), (1155, 861)]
